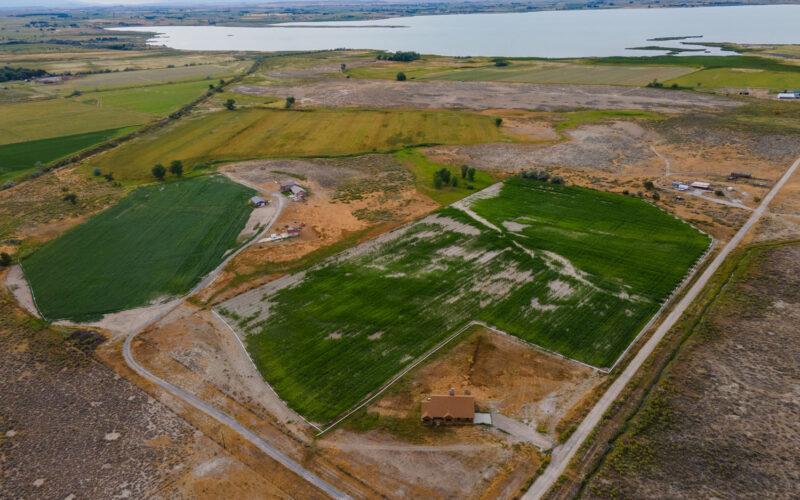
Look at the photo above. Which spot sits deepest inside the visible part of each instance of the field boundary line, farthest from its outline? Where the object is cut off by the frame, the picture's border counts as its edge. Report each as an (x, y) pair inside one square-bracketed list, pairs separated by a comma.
[(239, 340), (398, 377), (658, 314), (33, 296)]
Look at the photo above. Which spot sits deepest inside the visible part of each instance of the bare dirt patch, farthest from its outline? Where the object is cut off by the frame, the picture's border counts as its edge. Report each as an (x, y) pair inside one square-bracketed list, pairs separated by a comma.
[(485, 95), (503, 373)]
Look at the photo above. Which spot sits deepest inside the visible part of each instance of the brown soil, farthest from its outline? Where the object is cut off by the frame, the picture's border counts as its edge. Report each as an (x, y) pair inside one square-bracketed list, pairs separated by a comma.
[(348, 196), (503, 373), (35, 209), (485, 95), (723, 421)]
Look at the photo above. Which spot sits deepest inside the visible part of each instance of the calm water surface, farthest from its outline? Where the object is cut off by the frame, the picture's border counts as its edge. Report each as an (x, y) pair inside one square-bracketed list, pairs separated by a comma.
[(541, 34)]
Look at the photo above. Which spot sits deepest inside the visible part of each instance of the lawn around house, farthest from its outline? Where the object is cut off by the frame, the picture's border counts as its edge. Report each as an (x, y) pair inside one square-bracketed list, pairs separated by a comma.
[(576, 271), (157, 242), (262, 133)]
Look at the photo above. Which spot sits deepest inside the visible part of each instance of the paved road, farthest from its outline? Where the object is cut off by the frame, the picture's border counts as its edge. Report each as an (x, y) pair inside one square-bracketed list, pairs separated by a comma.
[(206, 408), (564, 453)]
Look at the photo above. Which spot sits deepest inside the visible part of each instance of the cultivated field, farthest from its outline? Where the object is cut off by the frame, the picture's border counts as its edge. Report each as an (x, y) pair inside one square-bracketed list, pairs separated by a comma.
[(739, 77), (573, 270), (260, 133), (155, 75), (21, 157), (157, 242), (23, 122)]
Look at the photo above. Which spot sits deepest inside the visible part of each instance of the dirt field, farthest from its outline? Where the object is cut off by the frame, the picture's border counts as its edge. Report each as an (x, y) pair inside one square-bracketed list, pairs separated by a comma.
[(485, 95), (723, 422), (348, 196), (504, 374)]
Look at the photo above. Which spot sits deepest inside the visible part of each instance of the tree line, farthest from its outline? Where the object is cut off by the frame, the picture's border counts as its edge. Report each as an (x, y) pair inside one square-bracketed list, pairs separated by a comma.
[(7, 73), (444, 177)]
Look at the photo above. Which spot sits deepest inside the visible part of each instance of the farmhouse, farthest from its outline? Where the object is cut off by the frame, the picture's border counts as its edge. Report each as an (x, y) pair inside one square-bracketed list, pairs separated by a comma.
[(448, 409), (258, 201)]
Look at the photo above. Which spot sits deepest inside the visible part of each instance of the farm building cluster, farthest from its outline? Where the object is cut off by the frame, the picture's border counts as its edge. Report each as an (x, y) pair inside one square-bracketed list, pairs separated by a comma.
[(296, 191)]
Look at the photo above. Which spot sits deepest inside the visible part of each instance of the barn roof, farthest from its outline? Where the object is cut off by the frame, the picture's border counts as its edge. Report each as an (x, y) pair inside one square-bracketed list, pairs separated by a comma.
[(443, 406), (257, 200)]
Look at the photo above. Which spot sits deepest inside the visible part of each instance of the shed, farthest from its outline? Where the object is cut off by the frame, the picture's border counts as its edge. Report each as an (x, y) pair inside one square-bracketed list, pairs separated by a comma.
[(298, 191), (258, 201), (701, 185), (288, 185), (448, 409), (788, 95)]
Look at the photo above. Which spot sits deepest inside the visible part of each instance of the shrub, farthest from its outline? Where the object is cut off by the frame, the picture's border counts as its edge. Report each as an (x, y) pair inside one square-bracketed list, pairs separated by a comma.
[(437, 180), (656, 197), (230, 104), (719, 192), (454, 181), (97, 172), (471, 175), (401, 77), (648, 185), (464, 170), (498, 122), (289, 102), (176, 168), (5, 259), (557, 179), (71, 197)]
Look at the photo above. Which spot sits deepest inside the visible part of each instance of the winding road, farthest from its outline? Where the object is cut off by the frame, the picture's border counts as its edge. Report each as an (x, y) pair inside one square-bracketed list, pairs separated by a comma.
[(208, 409), (563, 454)]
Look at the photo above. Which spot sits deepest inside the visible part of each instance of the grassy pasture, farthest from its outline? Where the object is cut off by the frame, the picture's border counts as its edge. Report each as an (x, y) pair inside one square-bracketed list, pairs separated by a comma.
[(21, 157), (260, 133), (423, 170), (158, 241), (155, 100), (573, 270), (737, 77), (154, 75)]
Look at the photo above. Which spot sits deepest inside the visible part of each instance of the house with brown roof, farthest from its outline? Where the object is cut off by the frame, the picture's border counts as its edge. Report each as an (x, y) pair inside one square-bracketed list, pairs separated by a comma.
[(448, 409)]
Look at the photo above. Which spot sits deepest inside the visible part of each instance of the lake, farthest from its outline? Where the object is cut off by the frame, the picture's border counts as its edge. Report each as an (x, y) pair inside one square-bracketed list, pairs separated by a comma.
[(569, 33)]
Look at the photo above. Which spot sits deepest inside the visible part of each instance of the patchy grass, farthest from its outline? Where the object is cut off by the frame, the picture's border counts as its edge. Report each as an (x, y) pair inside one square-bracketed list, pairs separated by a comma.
[(423, 170), (158, 241), (262, 133), (574, 270), (574, 119), (20, 158), (735, 77)]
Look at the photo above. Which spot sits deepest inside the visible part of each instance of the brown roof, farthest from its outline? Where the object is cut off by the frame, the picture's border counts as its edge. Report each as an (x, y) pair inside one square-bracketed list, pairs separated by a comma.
[(442, 406)]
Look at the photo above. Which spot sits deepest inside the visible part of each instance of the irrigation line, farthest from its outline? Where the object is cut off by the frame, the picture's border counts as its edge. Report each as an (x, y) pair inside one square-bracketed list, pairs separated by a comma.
[(238, 339)]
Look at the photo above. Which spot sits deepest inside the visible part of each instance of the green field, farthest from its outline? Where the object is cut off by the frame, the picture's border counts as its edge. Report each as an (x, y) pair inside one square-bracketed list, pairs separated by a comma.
[(154, 75), (423, 170), (93, 111), (573, 270), (735, 77), (261, 133), (21, 157), (158, 241)]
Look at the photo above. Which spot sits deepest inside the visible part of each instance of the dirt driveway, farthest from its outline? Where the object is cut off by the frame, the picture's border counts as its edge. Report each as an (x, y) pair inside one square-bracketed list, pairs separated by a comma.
[(486, 95)]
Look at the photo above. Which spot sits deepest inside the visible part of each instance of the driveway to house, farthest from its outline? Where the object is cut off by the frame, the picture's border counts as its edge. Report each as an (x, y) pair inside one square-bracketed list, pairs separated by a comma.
[(563, 454)]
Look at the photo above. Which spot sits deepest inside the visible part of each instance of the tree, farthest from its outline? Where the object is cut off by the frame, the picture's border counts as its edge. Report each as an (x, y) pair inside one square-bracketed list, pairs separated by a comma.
[(344, 67), (437, 180), (176, 167), (71, 197), (454, 181), (289, 102), (649, 185), (445, 175), (159, 171), (471, 174), (464, 170), (401, 77), (5, 259), (498, 122), (656, 197), (97, 172), (230, 104)]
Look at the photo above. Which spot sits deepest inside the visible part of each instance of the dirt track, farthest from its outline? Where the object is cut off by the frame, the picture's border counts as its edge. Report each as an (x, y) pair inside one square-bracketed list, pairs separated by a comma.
[(486, 95)]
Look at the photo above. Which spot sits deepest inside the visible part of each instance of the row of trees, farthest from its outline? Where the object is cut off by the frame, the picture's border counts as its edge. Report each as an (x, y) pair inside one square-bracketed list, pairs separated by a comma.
[(444, 177), (542, 176), (7, 73), (399, 56), (175, 168)]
